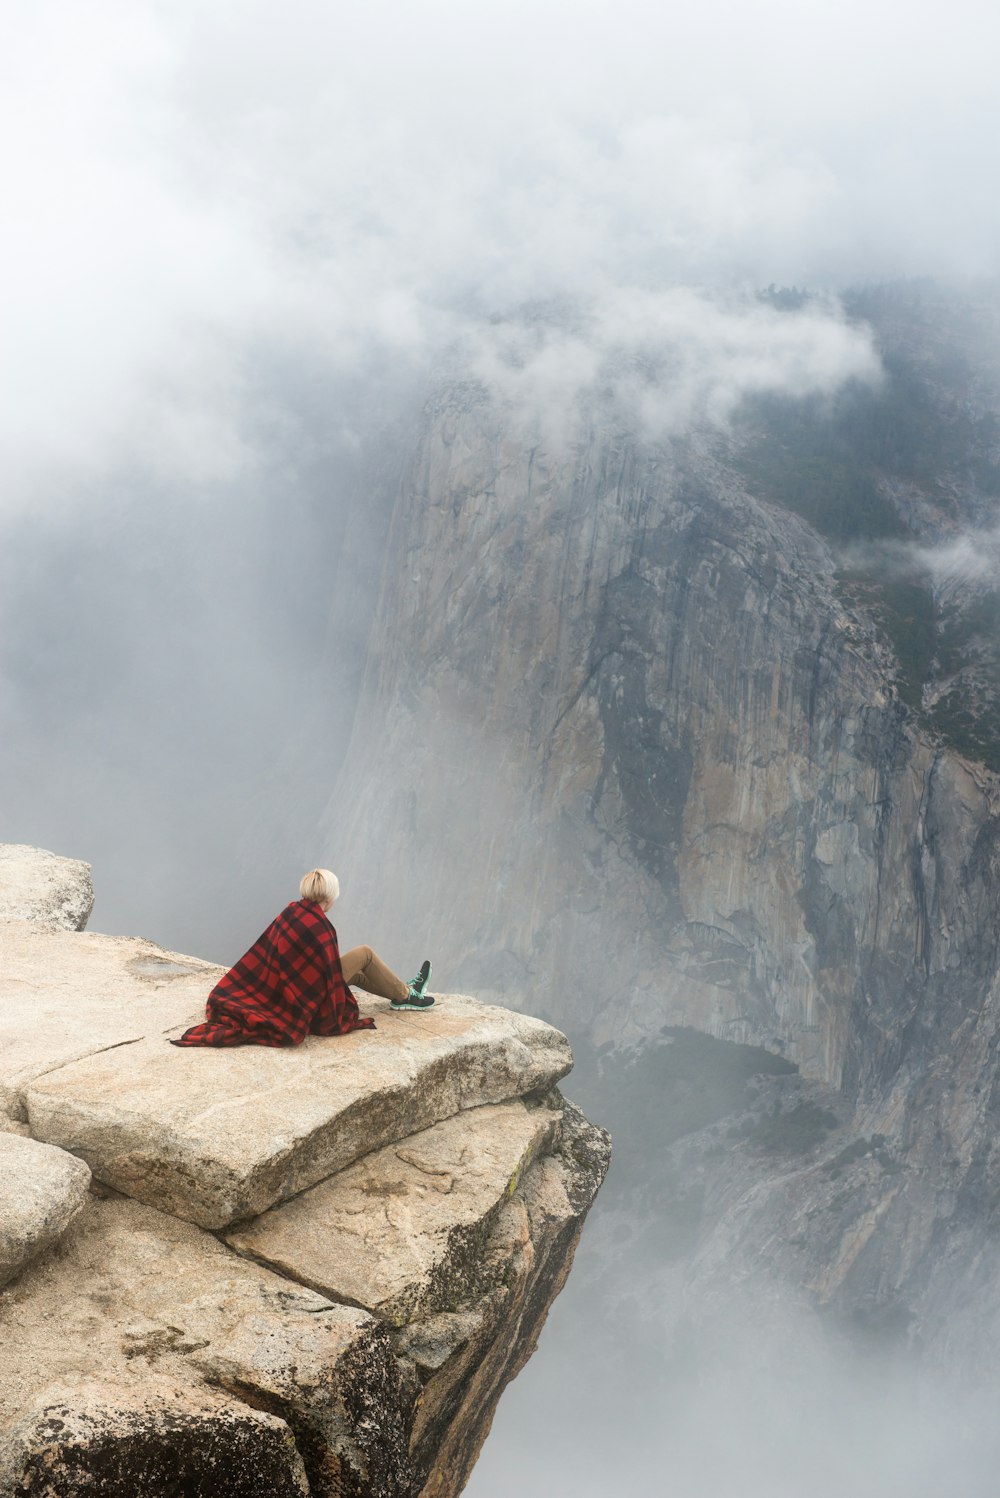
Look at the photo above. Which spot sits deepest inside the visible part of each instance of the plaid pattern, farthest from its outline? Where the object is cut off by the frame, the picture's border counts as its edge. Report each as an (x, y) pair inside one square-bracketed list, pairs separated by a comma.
[(289, 985)]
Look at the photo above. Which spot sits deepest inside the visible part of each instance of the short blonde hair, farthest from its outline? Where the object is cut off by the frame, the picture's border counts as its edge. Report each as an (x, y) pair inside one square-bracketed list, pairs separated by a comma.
[(320, 885)]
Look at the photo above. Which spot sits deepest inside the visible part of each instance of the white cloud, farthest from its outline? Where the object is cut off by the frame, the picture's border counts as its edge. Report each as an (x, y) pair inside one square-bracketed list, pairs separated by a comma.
[(672, 358), (970, 559), (183, 183)]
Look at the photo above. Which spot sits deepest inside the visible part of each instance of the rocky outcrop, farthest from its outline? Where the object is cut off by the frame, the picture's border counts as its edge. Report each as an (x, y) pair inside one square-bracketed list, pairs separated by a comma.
[(148, 1354), (160, 1326), (465, 1356), (438, 1196), (40, 886)]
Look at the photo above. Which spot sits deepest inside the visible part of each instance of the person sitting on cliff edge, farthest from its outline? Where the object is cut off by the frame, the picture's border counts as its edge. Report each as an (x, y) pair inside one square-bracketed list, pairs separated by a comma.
[(293, 982)]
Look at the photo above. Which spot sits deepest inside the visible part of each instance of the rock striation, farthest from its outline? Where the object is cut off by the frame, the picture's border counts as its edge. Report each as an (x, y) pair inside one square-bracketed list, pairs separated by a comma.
[(147, 1353)]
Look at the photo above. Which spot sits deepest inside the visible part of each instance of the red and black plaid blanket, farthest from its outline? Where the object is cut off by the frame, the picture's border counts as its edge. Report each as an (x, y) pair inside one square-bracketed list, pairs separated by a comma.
[(289, 985)]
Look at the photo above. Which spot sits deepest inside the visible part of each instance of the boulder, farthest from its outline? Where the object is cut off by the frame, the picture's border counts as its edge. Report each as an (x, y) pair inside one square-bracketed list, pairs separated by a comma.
[(220, 1135), (41, 1191), (95, 1438), (40, 886), (401, 1232), (67, 994), (120, 1357)]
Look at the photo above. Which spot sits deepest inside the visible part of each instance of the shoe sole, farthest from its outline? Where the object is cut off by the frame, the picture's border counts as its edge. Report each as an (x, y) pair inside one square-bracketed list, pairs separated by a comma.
[(412, 1006)]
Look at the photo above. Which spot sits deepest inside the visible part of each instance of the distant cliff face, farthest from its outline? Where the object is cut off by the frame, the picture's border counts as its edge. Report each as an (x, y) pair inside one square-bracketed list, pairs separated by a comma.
[(641, 741), (696, 794)]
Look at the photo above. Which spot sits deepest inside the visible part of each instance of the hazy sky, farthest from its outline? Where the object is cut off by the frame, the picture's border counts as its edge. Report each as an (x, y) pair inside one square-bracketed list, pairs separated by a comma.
[(186, 183), (236, 238)]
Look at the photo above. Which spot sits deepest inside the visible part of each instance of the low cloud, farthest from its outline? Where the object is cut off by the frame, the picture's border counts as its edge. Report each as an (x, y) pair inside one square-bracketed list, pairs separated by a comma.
[(666, 360), (971, 559), (741, 1393), (968, 561)]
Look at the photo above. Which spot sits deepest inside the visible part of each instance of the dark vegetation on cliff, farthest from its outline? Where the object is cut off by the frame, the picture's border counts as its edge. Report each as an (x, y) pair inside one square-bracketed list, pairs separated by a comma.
[(886, 474)]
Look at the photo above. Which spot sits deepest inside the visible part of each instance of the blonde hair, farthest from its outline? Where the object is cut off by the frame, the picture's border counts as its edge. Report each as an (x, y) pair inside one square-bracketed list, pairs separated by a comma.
[(320, 885)]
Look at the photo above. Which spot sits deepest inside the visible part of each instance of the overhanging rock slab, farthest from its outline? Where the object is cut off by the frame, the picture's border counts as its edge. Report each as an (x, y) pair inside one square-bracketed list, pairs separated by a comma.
[(220, 1135), (69, 994), (402, 1231)]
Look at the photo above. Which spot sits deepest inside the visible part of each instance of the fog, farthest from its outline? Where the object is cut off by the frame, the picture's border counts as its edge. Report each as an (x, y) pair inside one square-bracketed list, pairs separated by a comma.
[(241, 245), (687, 1368), (759, 1415)]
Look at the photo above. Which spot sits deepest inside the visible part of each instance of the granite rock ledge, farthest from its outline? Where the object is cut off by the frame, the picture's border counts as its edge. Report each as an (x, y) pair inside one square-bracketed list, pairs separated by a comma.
[(179, 1324)]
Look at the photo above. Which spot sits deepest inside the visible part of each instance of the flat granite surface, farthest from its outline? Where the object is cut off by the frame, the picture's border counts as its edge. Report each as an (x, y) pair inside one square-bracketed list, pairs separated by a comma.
[(407, 1223), (220, 1135), (69, 994)]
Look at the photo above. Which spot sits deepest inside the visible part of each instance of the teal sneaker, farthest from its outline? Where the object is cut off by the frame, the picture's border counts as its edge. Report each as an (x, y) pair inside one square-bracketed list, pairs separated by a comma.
[(416, 997), (413, 1001), (420, 982)]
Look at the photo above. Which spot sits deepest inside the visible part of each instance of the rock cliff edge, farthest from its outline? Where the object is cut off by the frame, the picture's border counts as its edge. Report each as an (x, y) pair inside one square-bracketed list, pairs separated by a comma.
[(258, 1273)]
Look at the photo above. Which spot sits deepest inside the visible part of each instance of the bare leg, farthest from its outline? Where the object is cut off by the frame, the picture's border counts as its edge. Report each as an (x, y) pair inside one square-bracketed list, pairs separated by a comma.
[(364, 969)]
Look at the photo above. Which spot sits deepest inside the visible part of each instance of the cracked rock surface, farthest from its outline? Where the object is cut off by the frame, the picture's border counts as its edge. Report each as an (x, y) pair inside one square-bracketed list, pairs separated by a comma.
[(190, 1316), (402, 1231), (70, 994), (218, 1135)]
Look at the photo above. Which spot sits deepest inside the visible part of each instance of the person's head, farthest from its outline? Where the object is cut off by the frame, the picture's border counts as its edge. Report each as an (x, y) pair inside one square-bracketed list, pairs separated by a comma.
[(320, 885)]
